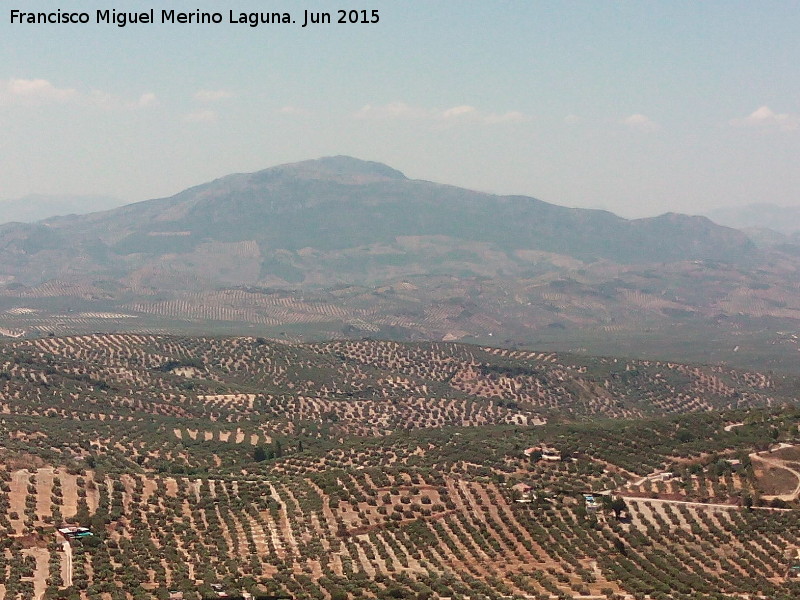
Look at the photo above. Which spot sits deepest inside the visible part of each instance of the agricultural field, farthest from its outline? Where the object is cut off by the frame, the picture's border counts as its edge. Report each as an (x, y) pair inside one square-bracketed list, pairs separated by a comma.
[(581, 313), (373, 469)]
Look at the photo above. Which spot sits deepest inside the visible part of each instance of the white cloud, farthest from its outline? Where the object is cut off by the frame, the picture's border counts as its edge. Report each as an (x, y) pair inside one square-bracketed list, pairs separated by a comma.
[(459, 111), (455, 114), (212, 95), (470, 114), (38, 92), (200, 116), (641, 122), (35, 91), (146, 100), (106, 101), (766, 117)]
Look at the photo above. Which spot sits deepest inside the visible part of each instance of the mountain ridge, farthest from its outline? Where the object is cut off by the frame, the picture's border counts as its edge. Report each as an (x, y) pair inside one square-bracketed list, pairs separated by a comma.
[(782, 219), (37, 207), (368, 202)]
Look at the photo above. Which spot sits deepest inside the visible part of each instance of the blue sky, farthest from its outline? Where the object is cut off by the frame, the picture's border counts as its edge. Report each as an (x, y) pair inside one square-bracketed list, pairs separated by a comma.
[(638, 107)]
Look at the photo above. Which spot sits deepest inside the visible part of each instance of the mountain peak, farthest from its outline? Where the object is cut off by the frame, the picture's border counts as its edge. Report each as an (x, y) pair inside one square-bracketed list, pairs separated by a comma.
[(340, 169)]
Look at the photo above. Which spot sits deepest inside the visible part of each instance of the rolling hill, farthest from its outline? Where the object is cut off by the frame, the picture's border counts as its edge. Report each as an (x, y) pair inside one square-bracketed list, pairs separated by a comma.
[(379, 471)]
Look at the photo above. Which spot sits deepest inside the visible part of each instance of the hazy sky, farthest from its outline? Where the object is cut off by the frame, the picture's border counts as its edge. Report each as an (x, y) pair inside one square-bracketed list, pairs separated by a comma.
[(638, 107)]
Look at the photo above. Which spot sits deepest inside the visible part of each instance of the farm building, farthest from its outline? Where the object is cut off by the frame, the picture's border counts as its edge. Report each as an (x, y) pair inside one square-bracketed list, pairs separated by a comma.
[(591, 504), (549, 453), (219, 592), (543, 452), (666, 476), (734, 463), (71, 532), (525, 491)]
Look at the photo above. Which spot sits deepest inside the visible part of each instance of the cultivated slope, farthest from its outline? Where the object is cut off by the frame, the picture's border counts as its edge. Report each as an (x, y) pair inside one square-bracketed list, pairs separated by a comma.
[(381, 471)]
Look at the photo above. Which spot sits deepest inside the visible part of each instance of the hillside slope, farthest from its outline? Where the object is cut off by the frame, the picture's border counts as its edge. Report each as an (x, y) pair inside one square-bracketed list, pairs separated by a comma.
[(381, 471)]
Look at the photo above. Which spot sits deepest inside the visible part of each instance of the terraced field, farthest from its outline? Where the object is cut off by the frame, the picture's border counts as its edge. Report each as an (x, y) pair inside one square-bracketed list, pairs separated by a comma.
[(384, 470)]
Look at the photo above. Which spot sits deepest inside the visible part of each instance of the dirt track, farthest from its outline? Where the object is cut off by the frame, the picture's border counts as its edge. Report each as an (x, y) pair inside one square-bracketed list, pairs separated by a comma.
[(67, 568), (780, 464)]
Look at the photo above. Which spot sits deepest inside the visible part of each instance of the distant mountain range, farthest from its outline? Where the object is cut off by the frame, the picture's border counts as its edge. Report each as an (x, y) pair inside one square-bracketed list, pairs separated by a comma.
[(340, 247), (783, 219), (337, 220), (36, 207)]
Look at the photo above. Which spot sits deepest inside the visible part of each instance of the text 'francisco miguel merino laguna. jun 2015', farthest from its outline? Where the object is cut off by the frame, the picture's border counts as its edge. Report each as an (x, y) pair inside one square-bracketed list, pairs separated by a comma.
[(121, 18)]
